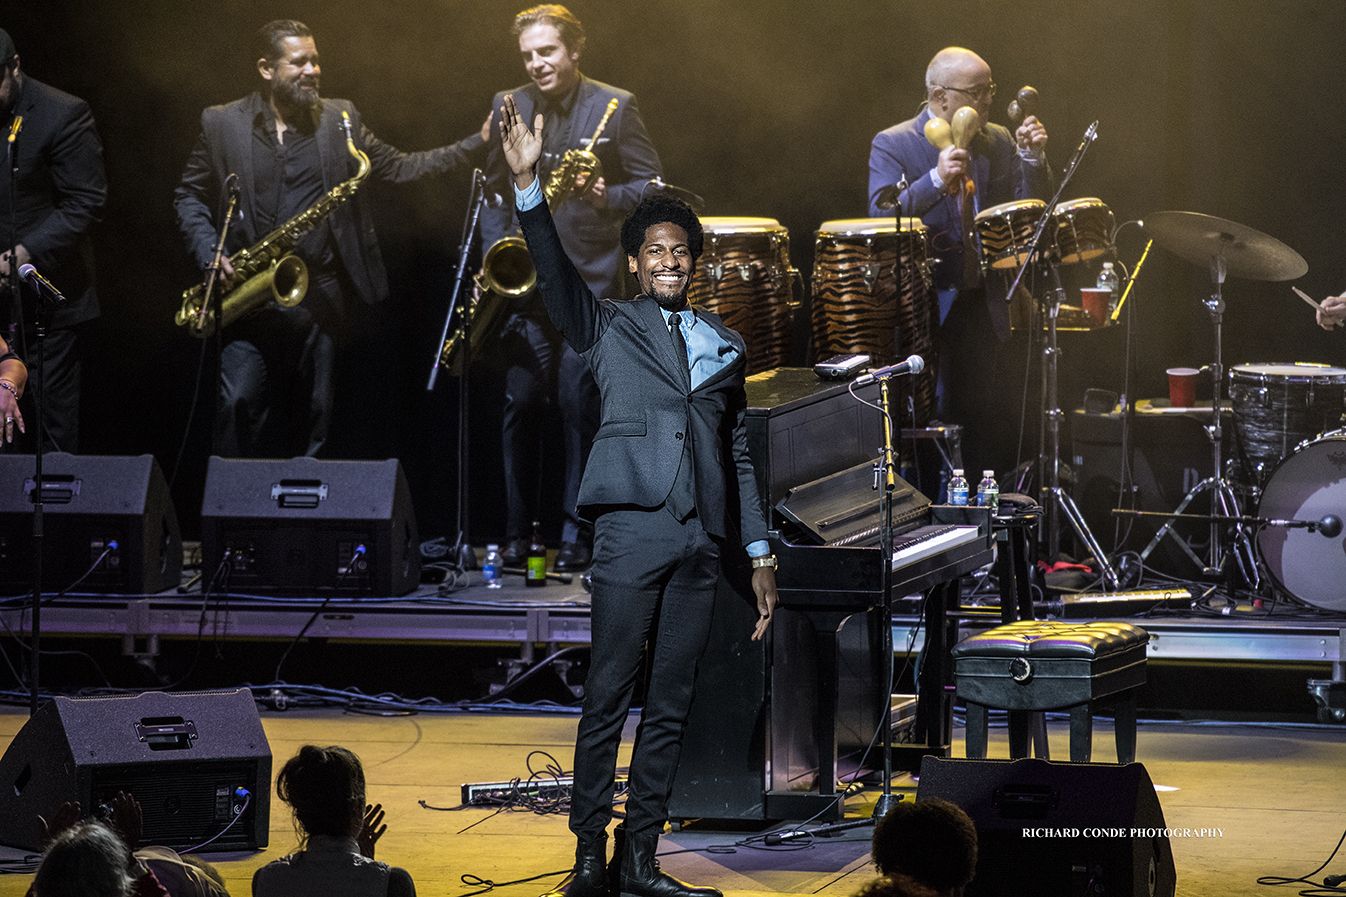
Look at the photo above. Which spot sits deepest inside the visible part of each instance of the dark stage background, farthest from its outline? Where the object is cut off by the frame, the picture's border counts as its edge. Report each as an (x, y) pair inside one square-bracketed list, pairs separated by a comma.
[(766, 108)]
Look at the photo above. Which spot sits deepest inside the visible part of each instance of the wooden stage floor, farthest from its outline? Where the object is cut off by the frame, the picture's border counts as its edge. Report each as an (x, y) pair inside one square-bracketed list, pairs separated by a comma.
[(1273, 794)]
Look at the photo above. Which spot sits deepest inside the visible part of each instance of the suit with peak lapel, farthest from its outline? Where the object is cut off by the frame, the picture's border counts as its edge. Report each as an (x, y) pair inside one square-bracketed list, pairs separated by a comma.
[(538, 364), (654, 575)]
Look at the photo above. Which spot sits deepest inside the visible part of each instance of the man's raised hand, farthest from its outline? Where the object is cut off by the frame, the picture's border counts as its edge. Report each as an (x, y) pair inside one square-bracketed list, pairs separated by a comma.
[(522, 147)]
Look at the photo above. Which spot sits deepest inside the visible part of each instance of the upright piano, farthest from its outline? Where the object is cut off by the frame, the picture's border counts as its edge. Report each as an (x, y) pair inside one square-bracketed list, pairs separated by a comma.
[(775, 724)]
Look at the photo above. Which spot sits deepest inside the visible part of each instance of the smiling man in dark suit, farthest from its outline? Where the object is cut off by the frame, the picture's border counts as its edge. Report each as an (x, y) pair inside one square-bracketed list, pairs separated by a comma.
[(670, 489), (59, 195), (539, 366)]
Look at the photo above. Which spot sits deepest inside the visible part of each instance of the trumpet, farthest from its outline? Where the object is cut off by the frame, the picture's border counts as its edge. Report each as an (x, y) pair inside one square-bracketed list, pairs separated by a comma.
[(269, 269), (507, 270), (561, 183)]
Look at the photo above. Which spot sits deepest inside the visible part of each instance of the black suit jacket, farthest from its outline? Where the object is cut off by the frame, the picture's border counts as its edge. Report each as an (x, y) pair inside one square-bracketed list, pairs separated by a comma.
[(225, 147), (646, 411), (590, 236), (60, 194)]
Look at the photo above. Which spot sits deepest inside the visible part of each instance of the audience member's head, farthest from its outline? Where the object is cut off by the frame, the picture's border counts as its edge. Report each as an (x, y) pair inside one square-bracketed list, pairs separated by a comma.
[(326, 788), (87, 859), (931, 842)]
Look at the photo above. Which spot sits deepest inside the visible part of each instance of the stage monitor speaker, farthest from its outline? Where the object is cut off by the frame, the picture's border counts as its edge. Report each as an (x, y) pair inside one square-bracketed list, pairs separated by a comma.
[(183, 756), (89, 504), (1058, 828), (297, 526)]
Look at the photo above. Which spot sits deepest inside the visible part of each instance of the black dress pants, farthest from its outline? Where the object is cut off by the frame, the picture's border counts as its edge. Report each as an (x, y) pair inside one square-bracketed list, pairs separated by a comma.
[(654, 582)]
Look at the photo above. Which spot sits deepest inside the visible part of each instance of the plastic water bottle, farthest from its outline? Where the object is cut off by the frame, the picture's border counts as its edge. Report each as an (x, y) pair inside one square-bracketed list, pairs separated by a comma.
[(958, 488), (490, 567), (1108, 280), (988, 492)]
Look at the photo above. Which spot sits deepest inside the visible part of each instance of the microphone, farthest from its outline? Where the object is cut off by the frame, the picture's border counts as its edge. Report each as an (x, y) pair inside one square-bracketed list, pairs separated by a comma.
[(913, 365), (887, 197), (40, 284), (1330, 526), (1090, 135), (1333, 880)]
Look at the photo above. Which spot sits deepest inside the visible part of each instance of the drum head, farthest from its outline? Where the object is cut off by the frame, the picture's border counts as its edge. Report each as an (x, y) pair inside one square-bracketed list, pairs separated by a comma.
[(1308, 485), (1293, 369), (711, 224), (1018, 210), (859, 227)]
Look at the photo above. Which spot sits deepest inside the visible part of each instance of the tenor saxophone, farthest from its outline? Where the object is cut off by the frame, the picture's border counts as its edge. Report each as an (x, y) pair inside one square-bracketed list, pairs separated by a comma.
[(269, 270)]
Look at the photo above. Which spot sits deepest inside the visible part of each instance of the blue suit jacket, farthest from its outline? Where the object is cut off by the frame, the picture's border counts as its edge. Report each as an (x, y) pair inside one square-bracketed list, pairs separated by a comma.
[(646, 410), (1000, 176)]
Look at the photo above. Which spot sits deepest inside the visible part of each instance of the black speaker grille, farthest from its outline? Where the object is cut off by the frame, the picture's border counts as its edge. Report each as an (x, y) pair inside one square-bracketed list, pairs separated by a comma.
[(185, 804)]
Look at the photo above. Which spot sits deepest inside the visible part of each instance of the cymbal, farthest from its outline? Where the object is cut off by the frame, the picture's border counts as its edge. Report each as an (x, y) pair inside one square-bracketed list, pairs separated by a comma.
[(1248, 254)]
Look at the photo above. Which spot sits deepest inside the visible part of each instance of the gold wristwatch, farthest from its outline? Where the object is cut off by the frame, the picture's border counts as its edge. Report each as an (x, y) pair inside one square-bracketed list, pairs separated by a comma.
[(766, 560)]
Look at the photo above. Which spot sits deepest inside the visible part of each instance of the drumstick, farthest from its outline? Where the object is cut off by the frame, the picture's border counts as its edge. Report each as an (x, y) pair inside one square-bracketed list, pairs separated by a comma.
[(1305, 296)]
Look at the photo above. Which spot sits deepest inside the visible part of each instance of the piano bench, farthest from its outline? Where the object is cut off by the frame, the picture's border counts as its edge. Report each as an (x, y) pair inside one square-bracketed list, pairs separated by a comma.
[(1036, 665)]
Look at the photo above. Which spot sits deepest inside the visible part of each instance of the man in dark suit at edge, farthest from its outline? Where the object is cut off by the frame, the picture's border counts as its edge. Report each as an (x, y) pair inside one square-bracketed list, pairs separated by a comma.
[(670, 488), (59, 195), (540, 367)]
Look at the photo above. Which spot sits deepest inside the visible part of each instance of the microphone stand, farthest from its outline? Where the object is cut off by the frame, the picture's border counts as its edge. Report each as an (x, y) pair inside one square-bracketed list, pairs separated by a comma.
[(212, 303), (460, 305), (40, 316), (36, 388), (883, 473), (1058, 501), (15, 297)]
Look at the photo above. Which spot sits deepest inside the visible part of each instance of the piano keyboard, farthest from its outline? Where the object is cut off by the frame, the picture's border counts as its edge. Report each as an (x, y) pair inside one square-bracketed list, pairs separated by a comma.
[(925, 541)]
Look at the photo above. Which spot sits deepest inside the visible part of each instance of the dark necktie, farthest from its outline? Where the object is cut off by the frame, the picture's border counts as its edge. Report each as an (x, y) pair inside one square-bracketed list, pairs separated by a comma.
[(680, 347)]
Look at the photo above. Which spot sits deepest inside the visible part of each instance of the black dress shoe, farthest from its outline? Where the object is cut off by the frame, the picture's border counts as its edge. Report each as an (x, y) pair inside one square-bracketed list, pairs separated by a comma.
[(573, 557), (642, 877), (515, 553)]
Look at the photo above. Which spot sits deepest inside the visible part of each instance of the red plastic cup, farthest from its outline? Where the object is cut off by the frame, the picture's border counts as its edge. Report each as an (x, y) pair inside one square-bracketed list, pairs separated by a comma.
[(1182, 387), (1096, 305)]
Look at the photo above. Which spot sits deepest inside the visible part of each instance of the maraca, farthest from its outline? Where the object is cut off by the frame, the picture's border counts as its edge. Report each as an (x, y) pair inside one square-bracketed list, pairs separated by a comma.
[(1024, 105)]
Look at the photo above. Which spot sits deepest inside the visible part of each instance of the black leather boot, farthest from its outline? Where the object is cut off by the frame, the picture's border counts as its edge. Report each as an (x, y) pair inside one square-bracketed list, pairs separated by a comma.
[(589, 878), (642, 877), (615, 864)]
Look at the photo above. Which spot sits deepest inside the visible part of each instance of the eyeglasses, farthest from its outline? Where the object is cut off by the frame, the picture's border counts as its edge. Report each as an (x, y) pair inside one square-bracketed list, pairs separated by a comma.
[(985, 92)]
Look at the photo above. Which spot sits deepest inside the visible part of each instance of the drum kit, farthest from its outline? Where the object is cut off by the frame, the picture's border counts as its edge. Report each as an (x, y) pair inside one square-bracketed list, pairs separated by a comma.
[(872, 292), (1289, 446)]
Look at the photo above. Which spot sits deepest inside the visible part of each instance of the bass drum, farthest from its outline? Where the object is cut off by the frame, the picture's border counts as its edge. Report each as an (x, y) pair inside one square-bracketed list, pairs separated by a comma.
[(1308, 485)]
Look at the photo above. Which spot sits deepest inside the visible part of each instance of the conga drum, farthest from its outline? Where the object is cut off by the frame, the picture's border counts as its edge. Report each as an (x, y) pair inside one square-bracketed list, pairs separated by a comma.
[(1006, 231), (1082, 229), (861, 304), (744, 276)]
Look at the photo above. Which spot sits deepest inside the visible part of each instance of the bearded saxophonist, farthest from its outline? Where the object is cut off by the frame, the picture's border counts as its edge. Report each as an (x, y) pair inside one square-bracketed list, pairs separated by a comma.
[(289, 149), (540, 367)]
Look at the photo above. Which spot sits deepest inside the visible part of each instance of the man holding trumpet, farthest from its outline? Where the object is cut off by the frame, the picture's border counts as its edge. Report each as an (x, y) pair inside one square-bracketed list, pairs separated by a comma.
[(540, 367), (1002, 167)]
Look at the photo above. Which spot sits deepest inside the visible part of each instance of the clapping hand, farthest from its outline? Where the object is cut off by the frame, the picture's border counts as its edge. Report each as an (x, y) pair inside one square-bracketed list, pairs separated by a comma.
[(371, 829)]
